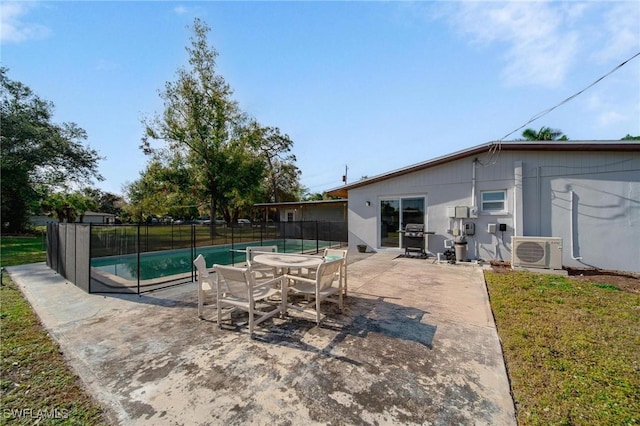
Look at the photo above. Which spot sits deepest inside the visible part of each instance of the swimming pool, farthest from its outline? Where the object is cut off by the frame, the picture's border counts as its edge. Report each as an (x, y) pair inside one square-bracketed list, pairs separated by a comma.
[(175, 262)]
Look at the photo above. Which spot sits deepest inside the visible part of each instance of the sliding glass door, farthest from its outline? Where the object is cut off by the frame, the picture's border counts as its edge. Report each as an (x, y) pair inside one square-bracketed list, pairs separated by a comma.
[(395, 213), (389, 223)]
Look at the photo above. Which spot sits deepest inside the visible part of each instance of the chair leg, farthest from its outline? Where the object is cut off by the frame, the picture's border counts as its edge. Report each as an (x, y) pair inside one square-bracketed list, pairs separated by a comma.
[(251, 308), (317, 309), (345, 280)]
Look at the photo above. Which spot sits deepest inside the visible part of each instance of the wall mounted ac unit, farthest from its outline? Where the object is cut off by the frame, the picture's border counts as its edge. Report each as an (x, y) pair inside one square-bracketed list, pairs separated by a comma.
[(536, 252)]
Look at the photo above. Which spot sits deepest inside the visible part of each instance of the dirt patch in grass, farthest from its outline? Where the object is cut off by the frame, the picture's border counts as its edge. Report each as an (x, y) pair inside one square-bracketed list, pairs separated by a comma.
[(625, 281)]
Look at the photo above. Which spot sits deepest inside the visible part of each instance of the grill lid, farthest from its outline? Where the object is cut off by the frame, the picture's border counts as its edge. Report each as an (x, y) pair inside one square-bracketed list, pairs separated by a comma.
[(414, 230), (414, 227)]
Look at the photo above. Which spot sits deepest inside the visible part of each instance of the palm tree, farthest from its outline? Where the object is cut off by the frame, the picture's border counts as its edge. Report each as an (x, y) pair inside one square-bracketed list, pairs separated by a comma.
[(544, 134)]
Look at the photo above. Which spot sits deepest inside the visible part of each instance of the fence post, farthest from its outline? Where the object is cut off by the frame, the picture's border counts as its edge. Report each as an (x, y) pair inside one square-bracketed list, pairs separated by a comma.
[(301, 237), (233, 250), (284, 236), (193, 251), (138, 255), (90, 245)]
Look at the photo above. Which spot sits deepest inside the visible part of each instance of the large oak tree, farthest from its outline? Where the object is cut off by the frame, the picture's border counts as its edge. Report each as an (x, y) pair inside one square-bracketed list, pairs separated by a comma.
[(229, 155), (38, 155)]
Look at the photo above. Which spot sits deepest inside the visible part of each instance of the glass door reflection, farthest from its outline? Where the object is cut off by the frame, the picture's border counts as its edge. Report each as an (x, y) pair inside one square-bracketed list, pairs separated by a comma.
[(389, 223), (395, 214)]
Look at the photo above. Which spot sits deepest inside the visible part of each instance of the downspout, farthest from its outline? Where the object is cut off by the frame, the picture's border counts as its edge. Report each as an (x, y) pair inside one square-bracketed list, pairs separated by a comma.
[(539, 195), (473, 202), (518, 210), (571, 224), (473, 183)]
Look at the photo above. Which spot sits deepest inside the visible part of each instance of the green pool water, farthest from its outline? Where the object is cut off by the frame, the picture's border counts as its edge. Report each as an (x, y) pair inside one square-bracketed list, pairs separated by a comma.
[(174, 262)]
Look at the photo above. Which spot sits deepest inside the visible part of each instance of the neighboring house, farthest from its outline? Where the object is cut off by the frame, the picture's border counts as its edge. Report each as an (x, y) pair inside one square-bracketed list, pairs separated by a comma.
[(301, 211), (89, 217), (96, 217), (585, 192), (42, 220), (322, 220)]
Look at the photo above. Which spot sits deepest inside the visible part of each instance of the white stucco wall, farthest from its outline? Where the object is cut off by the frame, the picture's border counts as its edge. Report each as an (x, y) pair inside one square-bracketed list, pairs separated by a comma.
[(606, 208)]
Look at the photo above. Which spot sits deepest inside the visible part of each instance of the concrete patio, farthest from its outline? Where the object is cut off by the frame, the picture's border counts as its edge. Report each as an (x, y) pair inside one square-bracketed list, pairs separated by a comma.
[(415, 344)]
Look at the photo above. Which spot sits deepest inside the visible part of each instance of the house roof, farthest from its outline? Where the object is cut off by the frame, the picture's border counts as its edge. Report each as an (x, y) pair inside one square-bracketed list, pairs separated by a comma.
[(301, 203), (494, 147)]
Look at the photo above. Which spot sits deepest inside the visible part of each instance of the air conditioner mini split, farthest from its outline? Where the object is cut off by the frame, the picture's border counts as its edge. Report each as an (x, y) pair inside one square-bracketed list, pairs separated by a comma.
[(536, 252)]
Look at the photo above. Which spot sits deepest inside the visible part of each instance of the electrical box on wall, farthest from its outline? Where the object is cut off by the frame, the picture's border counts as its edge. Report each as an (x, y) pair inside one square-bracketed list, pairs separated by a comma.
[(462, 212), (451, 212), (491, 228), (469, 228), (502, 227), (473, 212)]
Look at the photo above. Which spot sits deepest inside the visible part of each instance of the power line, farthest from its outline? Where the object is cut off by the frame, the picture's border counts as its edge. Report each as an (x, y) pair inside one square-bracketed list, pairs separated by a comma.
[(547, 111), (494, 149)]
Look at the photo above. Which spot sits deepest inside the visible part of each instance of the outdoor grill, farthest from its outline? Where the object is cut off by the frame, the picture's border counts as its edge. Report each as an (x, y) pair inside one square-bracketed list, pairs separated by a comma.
[(414, 240)]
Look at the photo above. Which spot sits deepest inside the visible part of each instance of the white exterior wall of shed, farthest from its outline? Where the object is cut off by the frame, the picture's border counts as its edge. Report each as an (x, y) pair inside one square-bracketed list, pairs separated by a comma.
[(600, 229), (328, 213)]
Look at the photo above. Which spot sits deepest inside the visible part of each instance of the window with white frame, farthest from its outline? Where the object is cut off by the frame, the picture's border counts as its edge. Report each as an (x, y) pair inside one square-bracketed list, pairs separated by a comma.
[(493, 201)]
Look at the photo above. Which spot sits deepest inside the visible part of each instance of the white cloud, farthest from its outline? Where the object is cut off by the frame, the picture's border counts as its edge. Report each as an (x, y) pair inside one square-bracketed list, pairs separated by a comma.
[(181, 10), (608, 118), (540, 40), (613, 111), (621, 32), (13, 29)]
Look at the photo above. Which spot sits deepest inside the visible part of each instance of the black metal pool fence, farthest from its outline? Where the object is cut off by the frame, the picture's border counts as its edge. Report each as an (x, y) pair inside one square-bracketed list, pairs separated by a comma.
[(72, 249)]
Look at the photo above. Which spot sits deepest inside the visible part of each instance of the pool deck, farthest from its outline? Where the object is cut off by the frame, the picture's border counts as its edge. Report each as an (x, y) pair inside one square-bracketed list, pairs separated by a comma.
[(415, 344)]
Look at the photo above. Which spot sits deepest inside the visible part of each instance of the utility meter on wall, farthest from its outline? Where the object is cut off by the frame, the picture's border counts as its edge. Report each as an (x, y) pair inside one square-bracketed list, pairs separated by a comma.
[(469, 228)]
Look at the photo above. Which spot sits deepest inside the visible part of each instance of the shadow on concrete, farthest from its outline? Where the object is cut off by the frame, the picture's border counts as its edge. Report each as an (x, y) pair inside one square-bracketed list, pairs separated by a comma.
[(170, 301), (360, 318)]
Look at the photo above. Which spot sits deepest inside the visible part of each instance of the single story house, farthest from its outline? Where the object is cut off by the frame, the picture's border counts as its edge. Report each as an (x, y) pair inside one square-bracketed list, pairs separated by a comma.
[(300, 211), (322, 220), (580, 198), (89, 217), (97, 217), (42, 220)]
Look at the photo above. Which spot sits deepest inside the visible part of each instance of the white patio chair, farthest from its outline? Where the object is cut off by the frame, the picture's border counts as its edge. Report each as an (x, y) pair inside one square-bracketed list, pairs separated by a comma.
[(205, 283), (317, 290), (238, 289), (333, 254), (261, 271)]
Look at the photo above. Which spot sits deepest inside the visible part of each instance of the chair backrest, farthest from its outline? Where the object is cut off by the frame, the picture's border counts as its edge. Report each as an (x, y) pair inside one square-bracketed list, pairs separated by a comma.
[(327, 273), (252, 250), (234, 281), (201, 267), (333, 254)]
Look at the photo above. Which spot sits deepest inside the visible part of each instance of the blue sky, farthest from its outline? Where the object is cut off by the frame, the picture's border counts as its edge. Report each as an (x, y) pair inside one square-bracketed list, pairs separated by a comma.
[(374, 86)]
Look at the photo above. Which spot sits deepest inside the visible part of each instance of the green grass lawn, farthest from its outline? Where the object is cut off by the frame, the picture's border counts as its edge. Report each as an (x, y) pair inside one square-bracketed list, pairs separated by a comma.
[(36, 385), (22, 250), (572, 349)]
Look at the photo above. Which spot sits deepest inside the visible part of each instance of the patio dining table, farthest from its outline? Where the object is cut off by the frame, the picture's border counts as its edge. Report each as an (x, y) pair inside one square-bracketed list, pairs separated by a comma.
[(288, 261)]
